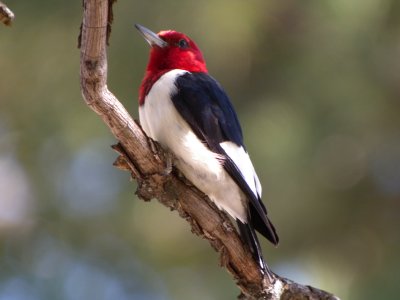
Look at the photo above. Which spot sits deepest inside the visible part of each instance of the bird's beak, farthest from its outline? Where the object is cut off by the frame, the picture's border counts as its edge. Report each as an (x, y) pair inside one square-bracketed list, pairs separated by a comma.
[(152, 38)]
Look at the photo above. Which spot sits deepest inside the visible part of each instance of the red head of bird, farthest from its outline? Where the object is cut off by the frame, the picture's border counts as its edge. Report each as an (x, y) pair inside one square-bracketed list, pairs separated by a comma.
[(169, 50)]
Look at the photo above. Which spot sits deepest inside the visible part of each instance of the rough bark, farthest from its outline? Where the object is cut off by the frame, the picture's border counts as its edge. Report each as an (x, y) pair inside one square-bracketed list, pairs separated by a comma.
[(147, 163), (6, 15)]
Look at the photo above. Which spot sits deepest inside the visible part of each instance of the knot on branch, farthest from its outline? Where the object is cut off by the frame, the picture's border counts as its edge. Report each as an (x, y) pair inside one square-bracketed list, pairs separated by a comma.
[(91, 64), (149, 185)]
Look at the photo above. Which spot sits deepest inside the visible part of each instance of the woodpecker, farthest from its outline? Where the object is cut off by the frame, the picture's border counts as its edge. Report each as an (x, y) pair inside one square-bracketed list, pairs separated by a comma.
[(187, 111)]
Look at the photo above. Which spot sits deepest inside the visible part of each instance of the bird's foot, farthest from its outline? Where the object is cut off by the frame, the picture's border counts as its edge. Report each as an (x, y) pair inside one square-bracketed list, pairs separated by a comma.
[(169, 163)]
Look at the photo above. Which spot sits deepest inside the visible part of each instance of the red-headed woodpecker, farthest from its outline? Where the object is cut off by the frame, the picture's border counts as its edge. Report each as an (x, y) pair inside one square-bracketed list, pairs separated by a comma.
[(186, 110)]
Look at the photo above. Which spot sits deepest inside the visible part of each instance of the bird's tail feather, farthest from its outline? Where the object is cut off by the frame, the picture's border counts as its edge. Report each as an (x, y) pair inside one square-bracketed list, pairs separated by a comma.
[(249, 236), (263, 225)]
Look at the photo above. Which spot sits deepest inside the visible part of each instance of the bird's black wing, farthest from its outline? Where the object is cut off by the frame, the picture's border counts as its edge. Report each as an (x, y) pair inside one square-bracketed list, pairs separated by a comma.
[(204, 105)]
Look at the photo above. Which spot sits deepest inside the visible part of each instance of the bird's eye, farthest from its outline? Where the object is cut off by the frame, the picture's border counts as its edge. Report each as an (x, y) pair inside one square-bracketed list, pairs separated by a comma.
[(183, 44)]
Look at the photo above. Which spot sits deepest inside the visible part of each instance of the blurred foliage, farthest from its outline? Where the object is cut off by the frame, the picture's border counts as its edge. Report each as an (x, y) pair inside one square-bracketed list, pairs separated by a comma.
[(317, 88)]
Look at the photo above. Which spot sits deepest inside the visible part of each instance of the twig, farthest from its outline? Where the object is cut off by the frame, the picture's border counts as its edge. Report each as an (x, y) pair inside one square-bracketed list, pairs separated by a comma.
[(6, 15), (146, 164)]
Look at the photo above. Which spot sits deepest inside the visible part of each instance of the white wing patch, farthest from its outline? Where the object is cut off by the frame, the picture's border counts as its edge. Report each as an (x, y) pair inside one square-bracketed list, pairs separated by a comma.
[(242, 160)]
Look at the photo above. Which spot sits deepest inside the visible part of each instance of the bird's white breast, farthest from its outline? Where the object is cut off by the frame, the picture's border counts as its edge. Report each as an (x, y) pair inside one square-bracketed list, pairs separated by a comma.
[(162, 122)]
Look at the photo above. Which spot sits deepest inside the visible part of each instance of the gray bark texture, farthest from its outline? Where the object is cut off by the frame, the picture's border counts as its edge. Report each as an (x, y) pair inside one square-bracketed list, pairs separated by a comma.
[(147, 163)]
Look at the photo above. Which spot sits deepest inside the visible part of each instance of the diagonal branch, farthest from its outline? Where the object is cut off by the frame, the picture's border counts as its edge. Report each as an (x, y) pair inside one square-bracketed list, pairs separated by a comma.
[(147, 162)]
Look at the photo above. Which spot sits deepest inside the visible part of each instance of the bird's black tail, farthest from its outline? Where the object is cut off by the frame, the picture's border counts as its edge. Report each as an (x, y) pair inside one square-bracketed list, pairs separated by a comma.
[(248, 234)]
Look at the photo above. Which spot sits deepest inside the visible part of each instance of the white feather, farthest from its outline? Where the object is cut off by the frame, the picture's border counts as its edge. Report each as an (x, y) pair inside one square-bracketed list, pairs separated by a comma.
[(242, 160), (162, 122)]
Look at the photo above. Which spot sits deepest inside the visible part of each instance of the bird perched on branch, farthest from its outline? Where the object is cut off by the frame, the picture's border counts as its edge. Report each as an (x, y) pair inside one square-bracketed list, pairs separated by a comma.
[(187, 111)]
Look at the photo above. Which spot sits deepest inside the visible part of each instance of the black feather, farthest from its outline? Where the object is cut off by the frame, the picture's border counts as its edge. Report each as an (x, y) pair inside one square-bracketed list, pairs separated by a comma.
[(250, 238)]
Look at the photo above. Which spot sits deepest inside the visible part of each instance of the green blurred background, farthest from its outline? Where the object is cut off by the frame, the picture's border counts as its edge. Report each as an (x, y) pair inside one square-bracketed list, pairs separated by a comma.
[(317, 88)]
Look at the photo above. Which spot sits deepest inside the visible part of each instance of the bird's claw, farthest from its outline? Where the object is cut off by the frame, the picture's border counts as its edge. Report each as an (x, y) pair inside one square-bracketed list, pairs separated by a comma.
[(169, 164)]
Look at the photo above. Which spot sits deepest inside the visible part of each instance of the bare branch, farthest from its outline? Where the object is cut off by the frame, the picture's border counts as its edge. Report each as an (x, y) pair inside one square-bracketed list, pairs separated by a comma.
[(146, 162), (6, 15)]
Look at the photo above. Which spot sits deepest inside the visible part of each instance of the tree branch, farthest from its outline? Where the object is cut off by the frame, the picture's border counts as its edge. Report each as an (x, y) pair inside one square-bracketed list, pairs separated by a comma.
[(146, 162), (6, 15)]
